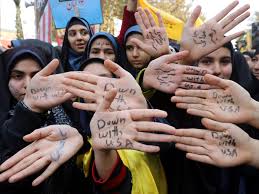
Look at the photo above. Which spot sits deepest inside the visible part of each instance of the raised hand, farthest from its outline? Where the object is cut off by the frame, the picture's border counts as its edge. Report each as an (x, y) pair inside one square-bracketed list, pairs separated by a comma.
[(229, 103), (155, 42), (202, 40), (52, 146), (223, 145), (45, 90), (129, 95), (165, 75), (127, 129)]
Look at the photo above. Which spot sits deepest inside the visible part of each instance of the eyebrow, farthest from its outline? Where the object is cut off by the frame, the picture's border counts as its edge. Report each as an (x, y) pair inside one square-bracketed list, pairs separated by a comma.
[(16, 71)]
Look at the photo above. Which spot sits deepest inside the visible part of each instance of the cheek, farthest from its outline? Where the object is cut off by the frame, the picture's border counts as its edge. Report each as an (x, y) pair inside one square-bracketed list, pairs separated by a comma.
[(86, 38), (16, 89), (227, 71)]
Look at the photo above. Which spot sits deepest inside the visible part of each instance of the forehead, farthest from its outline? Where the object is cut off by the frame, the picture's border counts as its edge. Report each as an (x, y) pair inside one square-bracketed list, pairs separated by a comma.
[(27, 65), (101, 42), (77, 27), (219, 53), (134, 35)]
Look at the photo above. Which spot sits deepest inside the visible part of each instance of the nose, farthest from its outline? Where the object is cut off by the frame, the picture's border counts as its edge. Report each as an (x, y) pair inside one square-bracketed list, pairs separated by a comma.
[(27, 81), (102, 55), (216, 69), (79, 36), (135, 52), (256, 65)]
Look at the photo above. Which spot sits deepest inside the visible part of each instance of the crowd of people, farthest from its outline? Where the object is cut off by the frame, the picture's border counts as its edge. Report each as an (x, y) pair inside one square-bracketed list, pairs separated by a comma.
[(137, 113)]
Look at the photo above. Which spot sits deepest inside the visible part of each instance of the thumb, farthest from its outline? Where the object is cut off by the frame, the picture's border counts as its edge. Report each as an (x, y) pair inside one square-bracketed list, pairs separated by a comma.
[(141, 45), (38, 134), (50, 68), (115, 68), (107, 101), (214, 125), (174, 57)]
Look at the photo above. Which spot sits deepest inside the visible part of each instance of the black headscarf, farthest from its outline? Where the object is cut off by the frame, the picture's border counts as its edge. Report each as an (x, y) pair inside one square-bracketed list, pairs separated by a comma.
[(116, 47), (66, 49), (8, 59)]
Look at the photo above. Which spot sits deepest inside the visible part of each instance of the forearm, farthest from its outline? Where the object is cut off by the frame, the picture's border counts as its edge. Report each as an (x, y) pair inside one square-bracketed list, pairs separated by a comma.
[(132, 5), (254, 161), (107, 157)]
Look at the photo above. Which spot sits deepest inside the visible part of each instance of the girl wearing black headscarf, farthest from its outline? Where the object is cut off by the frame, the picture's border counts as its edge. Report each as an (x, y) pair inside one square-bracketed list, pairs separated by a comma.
[(16, 120), (77, 34)]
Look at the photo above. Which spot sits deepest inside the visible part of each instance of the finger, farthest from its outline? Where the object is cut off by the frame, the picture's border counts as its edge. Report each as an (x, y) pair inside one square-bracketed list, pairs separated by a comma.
[(191, 141), (191, 149), (145, 148), (107, 101), (235, 22), (160, 20), (32, 169), (182, 105), (194, 16), (200, 113), (144, 18), (115, 68), (193, 78), (196, 86), (233, 36), (23, 164), (200, 158), (153, 127), (195, 70), (80, 84), (214, 125), (190, 132), (150, 18), (50, 68), (38, 134), (47, 173), (225, 11), (139, 21), (172, 58), (187, 100), (140, 114), (87, 95), (231, 17), (153, 137), (18, 157), (81, 76), (141, 45), (192, 93), (216, 81), (85, 106)]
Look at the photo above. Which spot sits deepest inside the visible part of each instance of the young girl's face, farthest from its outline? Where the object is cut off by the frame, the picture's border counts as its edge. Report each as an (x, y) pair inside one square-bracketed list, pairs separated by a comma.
[(219, 62), (21, 76), (137, 57)]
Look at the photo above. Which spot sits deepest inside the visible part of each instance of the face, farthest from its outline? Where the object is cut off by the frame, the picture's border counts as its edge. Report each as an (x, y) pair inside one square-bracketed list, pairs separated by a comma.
[(20, 77), (255, 68), (102, 48), (135, 55), (249, 61), (78, 36), (219, 62), (98, 69)]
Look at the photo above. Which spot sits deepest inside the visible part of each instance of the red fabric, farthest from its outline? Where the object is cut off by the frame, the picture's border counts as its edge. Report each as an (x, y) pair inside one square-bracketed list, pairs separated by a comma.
[(112, 181), (127, 21)]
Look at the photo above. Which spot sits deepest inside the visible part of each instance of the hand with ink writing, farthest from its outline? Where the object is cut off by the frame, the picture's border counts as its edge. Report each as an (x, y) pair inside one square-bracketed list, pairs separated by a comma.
[(229, 103), (202, 40), (155, 41), (45, 90), (164, 74), (51, 147), (129, 95), (127, 129), (223, 144)]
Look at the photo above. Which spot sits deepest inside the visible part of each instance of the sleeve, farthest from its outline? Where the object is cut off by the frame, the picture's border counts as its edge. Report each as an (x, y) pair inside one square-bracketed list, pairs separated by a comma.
[(119, 180), (127, 21), (20, 124)]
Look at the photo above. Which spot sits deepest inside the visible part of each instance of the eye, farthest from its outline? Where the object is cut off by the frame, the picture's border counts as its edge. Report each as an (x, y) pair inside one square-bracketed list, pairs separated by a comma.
[(225, 61), (129, 48), (94, 51), (72, 33), (84, 32), (16, 76), (206, 61)]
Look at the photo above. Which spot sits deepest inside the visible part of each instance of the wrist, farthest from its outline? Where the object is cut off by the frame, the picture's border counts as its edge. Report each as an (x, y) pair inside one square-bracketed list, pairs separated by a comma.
[(132, 5), (254, 120), (27, 104)]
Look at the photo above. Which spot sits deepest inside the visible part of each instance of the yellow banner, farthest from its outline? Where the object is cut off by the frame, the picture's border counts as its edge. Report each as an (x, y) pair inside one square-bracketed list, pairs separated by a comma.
[(173, 25)]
